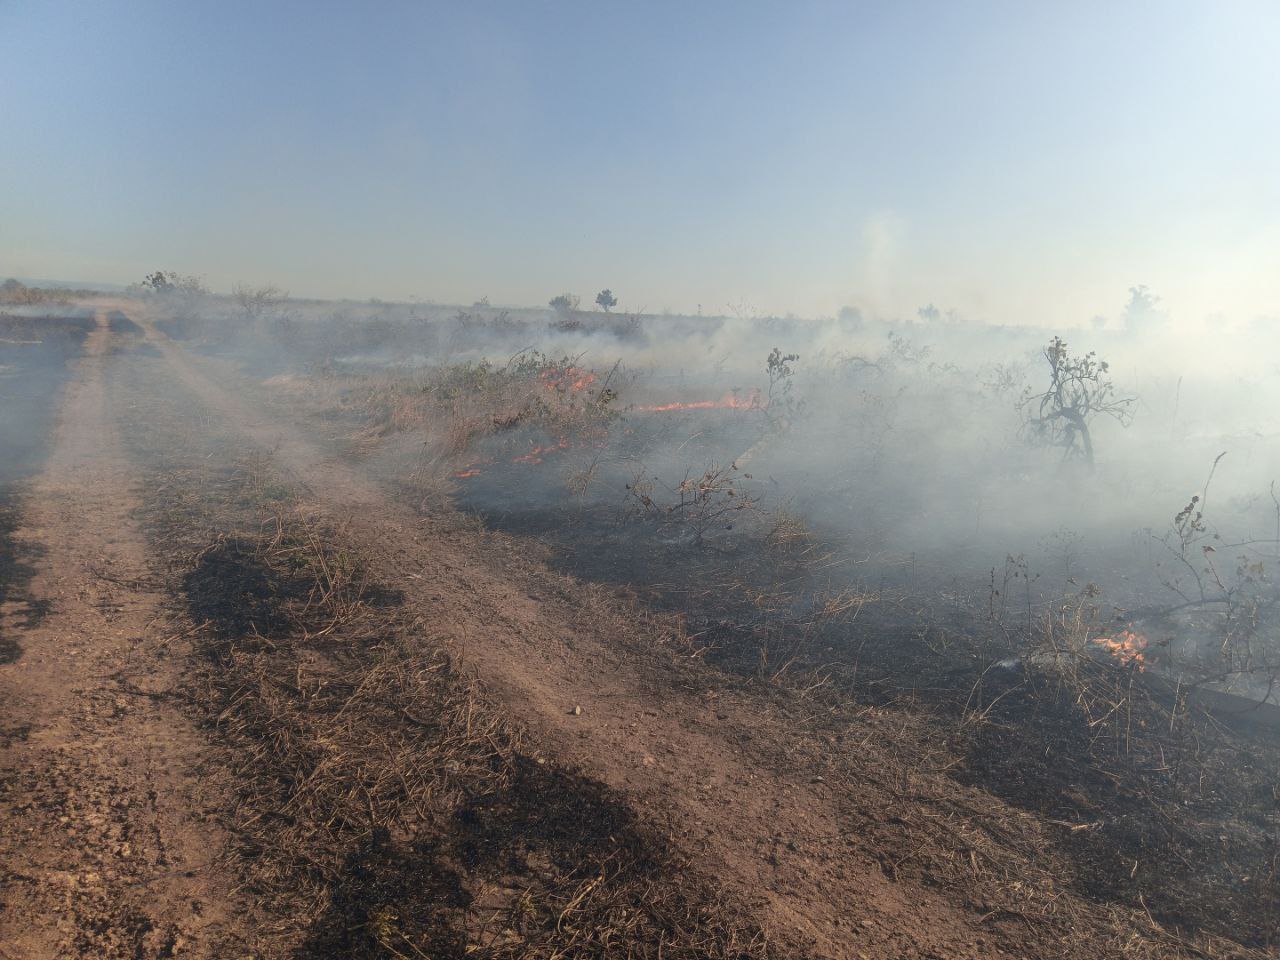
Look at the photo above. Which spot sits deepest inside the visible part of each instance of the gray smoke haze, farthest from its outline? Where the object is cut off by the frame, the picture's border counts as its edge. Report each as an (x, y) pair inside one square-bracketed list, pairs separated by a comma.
[(904, 447), (908, 431)]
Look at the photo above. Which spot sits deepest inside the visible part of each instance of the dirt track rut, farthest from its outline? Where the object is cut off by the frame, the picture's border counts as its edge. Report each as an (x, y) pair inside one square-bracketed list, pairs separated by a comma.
[(105, 849)]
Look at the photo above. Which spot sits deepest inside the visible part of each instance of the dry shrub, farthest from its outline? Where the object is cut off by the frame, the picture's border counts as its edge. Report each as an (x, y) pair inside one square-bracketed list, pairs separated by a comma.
[(463, 403), (791, 537)]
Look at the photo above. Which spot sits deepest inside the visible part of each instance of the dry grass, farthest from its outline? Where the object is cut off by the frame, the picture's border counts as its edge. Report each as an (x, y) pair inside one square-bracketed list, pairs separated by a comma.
[(461, 404), (405, 832), (384, 809)]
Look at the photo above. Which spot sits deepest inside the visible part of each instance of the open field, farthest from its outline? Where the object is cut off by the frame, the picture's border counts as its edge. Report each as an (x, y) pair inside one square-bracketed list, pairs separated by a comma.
[(410, 632)]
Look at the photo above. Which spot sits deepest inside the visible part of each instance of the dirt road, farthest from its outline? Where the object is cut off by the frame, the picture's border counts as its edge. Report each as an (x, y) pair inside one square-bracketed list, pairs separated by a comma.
[(106, 849)]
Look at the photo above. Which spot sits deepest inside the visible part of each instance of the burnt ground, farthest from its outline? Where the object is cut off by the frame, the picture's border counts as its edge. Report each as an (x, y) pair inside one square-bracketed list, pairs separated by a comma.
[(273, 710), (1163, 807)]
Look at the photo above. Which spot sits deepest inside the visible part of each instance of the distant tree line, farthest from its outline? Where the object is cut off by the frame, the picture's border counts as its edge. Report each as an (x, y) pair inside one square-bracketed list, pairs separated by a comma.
[(16, 293), (568, 302)]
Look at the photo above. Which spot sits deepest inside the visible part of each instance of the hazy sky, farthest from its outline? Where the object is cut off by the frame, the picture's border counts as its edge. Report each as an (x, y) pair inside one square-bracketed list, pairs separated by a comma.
[(1019, 161)]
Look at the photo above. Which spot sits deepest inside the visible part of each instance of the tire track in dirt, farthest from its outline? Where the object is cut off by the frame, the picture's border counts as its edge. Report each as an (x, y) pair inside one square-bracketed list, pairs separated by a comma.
[(107, 849), (690, 761)]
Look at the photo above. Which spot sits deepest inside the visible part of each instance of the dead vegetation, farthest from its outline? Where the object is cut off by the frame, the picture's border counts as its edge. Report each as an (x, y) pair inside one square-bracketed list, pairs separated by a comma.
[(383, 808), (16, 293), (1016, 765), (459, 407), (1162, 805), (1080, 391)]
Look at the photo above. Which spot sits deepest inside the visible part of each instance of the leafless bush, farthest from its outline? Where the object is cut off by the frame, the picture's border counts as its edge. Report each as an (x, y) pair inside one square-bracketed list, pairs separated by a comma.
[(1225, 587), (698, 503), (181, 296), (1079, 392), (1004, 379), (254, 303), (781, 405)]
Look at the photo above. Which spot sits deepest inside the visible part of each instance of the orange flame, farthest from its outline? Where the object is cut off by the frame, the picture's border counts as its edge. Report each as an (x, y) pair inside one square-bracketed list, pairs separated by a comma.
[(730, 401), (567, 379), (1127, 649), (534, 456), (537, 453)]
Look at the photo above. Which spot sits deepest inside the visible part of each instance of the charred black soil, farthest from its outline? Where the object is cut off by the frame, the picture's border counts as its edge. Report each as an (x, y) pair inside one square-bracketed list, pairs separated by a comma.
[(1158, 804)]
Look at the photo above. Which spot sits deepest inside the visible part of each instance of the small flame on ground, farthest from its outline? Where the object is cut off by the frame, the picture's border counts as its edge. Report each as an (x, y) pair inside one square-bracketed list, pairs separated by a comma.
[(537, 453), (574, 379), (1127, 648), (567, 379), (730, 401)]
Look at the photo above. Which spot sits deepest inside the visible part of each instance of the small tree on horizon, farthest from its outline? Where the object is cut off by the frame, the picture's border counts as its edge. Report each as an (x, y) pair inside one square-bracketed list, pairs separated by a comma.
[(564, 303), (159, 281), (606, 299)]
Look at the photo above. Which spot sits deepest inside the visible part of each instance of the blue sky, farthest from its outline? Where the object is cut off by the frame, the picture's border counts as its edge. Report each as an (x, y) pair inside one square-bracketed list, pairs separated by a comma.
[(1016, 162)]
